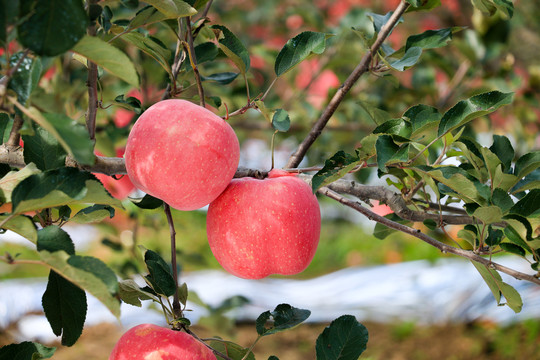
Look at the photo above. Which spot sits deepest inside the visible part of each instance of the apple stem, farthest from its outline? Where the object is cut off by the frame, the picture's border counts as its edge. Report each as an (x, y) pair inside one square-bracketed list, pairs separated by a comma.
[(177, 310), (272, 148)]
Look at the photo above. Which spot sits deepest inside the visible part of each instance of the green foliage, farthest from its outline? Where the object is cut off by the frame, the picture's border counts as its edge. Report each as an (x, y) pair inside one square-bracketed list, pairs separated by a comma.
[(26, 351), (344, 339), (299, 48), (282, 318)]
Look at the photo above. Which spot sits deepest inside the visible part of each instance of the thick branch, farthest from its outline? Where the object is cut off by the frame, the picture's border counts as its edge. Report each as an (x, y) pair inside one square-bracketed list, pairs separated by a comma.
[(431, 241), (336, 100), (14, 135)]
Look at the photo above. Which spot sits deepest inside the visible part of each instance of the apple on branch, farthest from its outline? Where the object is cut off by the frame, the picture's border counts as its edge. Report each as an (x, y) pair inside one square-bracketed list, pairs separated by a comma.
[(261, 227), (182, 154), (152, 342)]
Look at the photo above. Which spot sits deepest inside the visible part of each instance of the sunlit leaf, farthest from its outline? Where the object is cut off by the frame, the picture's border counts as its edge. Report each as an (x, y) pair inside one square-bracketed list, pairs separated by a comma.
[(298, 49), (172, 8), (233, 48), (498, 287), (22, 225)]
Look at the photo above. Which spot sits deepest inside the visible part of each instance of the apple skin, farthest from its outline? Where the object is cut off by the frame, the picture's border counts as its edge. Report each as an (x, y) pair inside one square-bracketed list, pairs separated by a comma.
[(152, 342), (182, 154), (257, 227)]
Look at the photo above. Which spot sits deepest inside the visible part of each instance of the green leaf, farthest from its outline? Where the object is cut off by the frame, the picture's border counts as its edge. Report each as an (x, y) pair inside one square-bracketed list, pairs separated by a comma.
[(389, 152), (513, 249), (58, 187), (108, 57), (147, 202), (513, 236), (456, 179), (298, 49), (53, 27), (22, 225), (131, 103), (281, 121), (282, 318), (431, 39), (5, 123), (502, 199), (26, 78), (410, 58), (527, 164), (13, 178), (491, 6), (503, 149), (204, 52), (43, 149), (26, 351), (172, 8), (398, 127), (488, 214), (494, 236), (71, 135), (65, 308), (380, 20), (381, 231), (131, 293), (474, 107), (422, 118), (334, 168), (422, 5), (151, 47), (497, 286), (520, 222), (58, 261), (233, 48), (98, 268), (344, 339), (527, 205), (92, 214), (378, 116), (52, 238), (160, 274), (233, 351), (223, 78)]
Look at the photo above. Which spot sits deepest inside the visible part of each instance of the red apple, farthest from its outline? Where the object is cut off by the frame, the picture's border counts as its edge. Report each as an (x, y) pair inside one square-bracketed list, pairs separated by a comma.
[(181, 153), (261, 227), (152, 342)]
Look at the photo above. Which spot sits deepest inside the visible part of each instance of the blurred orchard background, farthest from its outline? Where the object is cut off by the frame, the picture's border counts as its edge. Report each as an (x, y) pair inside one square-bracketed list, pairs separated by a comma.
[(489, 53)]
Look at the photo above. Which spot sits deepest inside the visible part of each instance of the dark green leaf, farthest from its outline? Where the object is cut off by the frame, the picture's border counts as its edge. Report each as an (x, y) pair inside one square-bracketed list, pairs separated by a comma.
[(3, 24), (494, 237), (160, 274), (52, 238), (389, 152), (334, 168), (59, 187), (298, 49), (94, 213), (399, 127), (431, 39), (527, 205), (344, 339), (233, 351), (108, 57), (379, 20), (26, 78), (282, 318), (273, 357), (233, 48), (513, 236), (43, 149), (5, 122), (517, 221), (430, 224), (65, 308), (502, 199), (474, 107), (147, 202), (26, 351), (422, 5), (206, 52), (131, 293), (513, 249), (281, 120), (131, 103), (54, 26), (98, 268), (223, 78), (151, 47), (491, 6), (422, 117), (410, 58), (527, 164), (503, 149)]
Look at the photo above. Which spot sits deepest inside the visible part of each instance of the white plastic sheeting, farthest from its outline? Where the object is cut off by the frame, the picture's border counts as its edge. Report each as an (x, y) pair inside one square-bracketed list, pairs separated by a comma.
[(448, 291)]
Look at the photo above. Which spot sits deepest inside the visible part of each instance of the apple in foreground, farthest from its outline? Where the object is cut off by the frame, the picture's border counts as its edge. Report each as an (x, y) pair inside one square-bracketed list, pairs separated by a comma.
[(261, 227), (182, 154), (152, 342)]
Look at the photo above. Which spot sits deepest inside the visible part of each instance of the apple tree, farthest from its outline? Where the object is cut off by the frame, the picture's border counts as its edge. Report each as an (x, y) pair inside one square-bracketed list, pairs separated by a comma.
[(399, 91)]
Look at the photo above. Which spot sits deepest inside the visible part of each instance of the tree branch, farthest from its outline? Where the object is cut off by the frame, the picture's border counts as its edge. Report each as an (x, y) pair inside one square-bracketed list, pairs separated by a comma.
[(14, 136), (177, 311), (193, 60), (431, 241), (338, 97), (91, 83)]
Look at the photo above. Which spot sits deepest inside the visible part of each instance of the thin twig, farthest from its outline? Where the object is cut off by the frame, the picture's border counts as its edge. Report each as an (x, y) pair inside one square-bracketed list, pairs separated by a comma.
[(218, 353), (179, 57), (176, 302), (193, 60), (431, 241), (338, 97)]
